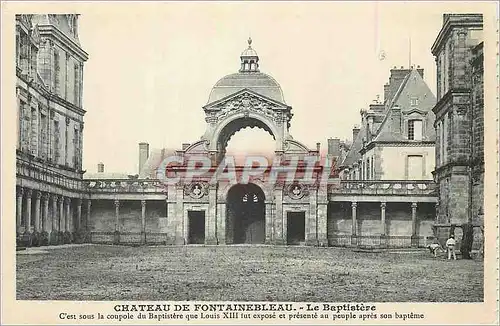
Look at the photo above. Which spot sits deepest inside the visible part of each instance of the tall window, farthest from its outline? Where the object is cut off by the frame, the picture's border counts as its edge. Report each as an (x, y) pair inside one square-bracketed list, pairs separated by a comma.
[(43, 136), (57, 69), (76, 84), (415, 129), (57, 131)]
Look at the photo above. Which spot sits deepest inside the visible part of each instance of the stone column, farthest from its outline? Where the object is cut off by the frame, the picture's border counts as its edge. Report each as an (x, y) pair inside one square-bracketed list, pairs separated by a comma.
[(117, 215), (62, 222), (382, 218), (414, 237), (116, 238), (54, 222), (46, 225), (383, 233), (354, 235), (143, 221), (211, 216), (79, 215), (67, 215), (45, 219), (38, 195), (19, 212), (269, 221), (27, 221), (87, 219)]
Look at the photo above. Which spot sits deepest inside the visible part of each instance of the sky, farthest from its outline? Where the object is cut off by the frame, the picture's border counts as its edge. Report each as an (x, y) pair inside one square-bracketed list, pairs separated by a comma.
[(151, 67)]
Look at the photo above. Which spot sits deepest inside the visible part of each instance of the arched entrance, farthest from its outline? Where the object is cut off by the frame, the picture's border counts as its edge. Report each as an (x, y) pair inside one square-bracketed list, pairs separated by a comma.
[(237, 125), (245, 215)]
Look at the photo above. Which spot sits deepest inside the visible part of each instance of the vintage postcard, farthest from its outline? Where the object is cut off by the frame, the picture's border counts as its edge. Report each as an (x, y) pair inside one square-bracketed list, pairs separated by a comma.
[(249, 162)]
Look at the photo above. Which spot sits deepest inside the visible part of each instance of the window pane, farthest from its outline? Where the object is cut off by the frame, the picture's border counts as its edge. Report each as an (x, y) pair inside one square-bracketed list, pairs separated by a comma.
[(417, 130)]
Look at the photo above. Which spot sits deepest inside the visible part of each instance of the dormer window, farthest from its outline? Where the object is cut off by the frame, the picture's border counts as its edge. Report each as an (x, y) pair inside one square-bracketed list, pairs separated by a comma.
[(414, 101), (415, 129)]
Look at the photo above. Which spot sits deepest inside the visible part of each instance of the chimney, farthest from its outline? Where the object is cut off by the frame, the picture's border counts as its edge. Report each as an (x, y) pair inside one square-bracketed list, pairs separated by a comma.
[(355, 132), (386, 92), (396, 119), (395, 80), (334, 146), (100, 167), (185, 146), (318, 146), (143, 155)]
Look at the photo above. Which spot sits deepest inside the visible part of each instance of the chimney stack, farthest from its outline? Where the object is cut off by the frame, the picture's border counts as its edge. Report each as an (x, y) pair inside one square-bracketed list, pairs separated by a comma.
[(395, 80), (100, 167), (334, 146), (318, 145), (395, 119), (355, 132), (143, 155)]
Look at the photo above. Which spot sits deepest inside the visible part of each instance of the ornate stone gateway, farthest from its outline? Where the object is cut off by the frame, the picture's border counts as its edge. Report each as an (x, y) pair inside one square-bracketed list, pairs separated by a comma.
[(249, 212)]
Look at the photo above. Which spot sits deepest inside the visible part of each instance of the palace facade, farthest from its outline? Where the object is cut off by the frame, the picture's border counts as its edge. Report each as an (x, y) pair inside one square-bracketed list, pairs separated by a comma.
[(381, 194), (49, 84), (459, 166)]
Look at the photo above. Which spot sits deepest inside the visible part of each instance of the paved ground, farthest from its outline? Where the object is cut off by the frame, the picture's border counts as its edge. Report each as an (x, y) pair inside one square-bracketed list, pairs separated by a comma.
[(243, 273)]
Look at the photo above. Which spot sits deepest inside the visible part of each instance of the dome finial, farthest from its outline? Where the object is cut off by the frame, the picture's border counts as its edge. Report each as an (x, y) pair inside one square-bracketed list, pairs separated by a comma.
[(249, 59)]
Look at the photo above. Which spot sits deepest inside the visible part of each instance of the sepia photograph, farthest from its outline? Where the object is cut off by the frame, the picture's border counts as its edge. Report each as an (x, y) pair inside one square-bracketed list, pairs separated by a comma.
[(279, 153)]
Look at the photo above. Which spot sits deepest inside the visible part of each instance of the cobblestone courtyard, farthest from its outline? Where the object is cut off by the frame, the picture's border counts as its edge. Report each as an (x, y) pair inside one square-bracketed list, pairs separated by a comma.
[(244, 273)]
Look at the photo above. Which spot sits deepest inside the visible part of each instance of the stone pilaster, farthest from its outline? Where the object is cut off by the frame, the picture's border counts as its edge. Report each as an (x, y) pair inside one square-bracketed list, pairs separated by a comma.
[(311, 227), (182, 222), (221, 223), (322, 217), (211, 216), (269, 221), (279, 229)]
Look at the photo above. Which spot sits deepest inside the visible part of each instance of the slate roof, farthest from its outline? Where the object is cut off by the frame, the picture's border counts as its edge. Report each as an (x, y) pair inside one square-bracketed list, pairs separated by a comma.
[(413, 86), (256, 81)]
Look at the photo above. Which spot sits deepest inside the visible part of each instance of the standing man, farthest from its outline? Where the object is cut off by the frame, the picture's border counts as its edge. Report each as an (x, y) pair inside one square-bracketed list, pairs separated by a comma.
[(450, 247)]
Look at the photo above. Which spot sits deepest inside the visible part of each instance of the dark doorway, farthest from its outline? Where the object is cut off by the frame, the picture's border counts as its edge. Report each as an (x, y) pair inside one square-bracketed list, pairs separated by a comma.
[(296, 228), (196, 227), (245, 215)]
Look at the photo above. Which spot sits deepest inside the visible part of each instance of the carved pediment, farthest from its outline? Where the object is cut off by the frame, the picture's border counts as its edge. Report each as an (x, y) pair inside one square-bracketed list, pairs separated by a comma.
[(246, 101)]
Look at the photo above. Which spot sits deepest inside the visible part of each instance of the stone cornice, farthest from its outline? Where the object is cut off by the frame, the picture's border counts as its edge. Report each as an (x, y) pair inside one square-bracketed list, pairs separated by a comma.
[(406, 143), (53, 32), (50, 96), (448, 98), (475, 20)]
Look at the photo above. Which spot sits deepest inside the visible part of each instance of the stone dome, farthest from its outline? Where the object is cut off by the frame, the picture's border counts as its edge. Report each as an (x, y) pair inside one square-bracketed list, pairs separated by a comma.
[(258, 82)]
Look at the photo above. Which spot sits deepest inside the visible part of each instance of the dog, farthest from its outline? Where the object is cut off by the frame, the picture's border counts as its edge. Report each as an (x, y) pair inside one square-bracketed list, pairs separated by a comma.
[(434, 248)]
